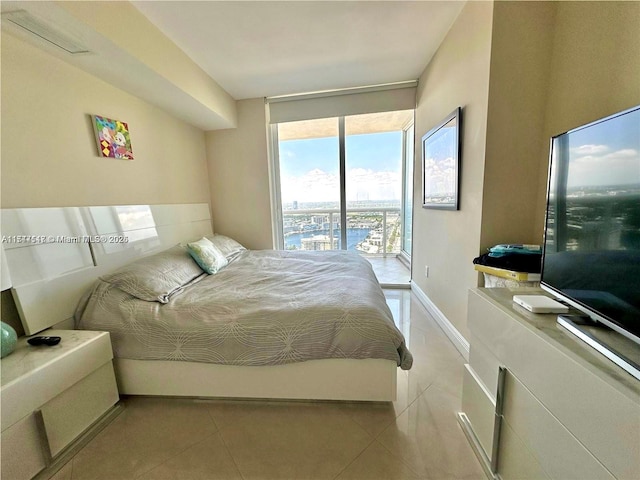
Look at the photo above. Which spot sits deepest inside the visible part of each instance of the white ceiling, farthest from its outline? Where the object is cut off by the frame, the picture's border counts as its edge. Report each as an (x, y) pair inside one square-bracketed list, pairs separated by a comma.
[(260, 49)]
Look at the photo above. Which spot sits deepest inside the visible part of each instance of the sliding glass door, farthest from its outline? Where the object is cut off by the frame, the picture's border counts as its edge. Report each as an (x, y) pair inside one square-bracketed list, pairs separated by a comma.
[(341, 182), (309, 167), (374, 147)]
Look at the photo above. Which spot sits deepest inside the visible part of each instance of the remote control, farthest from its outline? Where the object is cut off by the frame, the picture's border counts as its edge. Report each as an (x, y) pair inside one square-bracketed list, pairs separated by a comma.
[(48, 341)]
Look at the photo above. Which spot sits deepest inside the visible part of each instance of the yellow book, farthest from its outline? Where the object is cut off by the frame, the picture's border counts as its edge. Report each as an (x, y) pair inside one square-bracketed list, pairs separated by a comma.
[(510, 274)]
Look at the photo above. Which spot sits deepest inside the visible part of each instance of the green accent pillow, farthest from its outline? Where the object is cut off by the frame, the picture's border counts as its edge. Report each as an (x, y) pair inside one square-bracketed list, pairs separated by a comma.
[(207, 255)]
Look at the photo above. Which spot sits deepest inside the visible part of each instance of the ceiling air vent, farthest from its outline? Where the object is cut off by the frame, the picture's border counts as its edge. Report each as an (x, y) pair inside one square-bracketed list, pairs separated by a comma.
[(37, 27)]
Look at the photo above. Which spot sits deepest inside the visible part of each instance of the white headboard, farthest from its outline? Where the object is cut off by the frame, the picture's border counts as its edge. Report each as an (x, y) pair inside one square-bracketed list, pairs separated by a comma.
[(55, 254)]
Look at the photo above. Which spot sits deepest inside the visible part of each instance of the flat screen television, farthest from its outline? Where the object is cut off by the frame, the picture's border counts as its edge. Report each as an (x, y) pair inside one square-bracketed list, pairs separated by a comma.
[(591, 256)]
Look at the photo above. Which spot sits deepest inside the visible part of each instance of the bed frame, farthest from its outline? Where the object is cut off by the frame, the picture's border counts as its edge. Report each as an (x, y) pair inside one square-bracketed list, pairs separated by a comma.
[(55, 254)]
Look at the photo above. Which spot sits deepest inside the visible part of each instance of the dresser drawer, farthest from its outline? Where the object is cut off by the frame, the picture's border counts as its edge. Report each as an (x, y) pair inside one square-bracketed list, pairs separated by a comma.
[(484, 364), (553, 446), (479, 407), (517, 463)]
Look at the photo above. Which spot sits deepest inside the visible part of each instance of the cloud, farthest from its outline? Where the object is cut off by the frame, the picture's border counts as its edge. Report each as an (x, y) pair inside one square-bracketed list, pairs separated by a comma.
[(362, 184), (587, 150), (441, 178), (441, 165), (625, 153), (618, 155), (615, 168)]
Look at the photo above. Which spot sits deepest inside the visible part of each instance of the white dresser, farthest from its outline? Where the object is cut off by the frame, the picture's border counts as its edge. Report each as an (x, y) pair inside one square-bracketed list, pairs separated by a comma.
[(50, 396), (567, 411)]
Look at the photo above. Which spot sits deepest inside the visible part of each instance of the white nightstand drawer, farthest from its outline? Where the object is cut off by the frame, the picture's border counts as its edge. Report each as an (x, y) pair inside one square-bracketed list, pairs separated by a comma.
[(74, 410), (22, 455)]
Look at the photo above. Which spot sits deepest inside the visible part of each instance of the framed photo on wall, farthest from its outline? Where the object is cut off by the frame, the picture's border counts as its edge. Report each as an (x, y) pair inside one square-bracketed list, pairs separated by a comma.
[(441, 164)]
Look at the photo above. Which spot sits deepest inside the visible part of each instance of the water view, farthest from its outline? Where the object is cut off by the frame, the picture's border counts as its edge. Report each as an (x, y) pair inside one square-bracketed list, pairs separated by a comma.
[(355, 236)]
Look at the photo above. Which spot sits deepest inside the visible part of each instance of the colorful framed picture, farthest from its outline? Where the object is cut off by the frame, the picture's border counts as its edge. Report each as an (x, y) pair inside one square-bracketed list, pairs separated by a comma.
[(441, 164), (112, 137)]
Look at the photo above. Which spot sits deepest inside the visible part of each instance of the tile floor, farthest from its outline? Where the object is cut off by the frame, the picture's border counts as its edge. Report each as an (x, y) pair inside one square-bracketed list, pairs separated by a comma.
[(415, 437), (391, 272)]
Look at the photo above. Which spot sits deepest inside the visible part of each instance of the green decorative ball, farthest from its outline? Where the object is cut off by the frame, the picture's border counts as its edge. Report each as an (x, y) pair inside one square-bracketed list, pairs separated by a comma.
[(9, 339)]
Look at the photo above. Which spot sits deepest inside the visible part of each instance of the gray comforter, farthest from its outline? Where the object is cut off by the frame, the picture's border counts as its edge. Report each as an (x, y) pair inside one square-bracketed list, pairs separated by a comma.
[(265, 308)]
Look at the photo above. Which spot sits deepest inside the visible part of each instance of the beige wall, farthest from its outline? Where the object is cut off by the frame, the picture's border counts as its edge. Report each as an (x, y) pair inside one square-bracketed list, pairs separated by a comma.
[(239, 178), (552, 66), (595, 70), (49, 154), (447, 241), (521, 49)]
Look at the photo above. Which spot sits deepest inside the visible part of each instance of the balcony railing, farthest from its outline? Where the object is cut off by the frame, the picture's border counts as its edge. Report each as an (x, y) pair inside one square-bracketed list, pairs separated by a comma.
[(382, 223)]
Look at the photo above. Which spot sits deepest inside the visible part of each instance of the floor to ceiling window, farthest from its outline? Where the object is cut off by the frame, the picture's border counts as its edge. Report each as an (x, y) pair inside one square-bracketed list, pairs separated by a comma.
[(345, 182)]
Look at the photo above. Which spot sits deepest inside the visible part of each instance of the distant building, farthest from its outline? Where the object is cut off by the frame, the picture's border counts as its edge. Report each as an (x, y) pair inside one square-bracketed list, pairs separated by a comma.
[(319, 242), (373, 244)]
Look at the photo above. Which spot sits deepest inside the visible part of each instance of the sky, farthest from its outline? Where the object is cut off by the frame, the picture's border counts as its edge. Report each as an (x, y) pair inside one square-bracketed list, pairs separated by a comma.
[(606, 153), (309, 169), (440, 162)]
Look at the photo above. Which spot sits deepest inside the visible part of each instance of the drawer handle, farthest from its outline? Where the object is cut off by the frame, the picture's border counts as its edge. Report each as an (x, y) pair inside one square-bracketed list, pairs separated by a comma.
[(44, 441), (498, 417)]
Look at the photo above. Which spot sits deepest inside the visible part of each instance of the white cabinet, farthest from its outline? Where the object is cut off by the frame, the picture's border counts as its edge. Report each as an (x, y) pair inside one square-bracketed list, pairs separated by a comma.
[(50, 396), (568, 412)]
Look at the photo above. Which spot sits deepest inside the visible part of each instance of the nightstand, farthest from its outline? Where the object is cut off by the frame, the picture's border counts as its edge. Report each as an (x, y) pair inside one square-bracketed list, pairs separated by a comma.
[(50, 396)]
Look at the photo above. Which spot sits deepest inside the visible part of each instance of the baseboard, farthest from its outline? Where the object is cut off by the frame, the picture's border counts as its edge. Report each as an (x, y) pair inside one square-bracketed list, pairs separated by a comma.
[(396, 286), (461, 343)]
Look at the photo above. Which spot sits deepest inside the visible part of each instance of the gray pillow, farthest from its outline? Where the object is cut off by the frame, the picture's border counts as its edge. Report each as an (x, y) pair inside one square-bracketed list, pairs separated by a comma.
[(228, 246), (156, 277)]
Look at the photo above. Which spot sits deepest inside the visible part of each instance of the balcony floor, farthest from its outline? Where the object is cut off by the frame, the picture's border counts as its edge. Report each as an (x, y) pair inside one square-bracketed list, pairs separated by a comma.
[(391, 272)]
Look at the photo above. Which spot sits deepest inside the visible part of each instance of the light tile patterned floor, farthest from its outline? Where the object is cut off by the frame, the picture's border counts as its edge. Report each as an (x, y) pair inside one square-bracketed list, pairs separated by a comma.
[(390, 272), (415, 437)]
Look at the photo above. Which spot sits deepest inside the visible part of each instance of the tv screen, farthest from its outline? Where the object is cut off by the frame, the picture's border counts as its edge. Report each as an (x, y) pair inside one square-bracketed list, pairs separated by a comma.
[(592, 234)]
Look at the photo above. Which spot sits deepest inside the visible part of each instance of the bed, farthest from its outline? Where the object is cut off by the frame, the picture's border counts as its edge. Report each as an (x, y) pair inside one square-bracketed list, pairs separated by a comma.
[(271, 324)]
